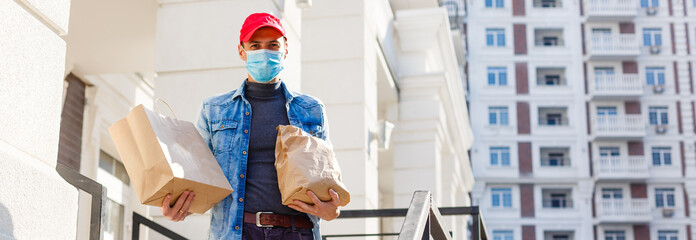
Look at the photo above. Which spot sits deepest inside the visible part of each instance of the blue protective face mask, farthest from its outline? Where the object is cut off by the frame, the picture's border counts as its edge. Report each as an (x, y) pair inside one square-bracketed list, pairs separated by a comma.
[(263, 65)]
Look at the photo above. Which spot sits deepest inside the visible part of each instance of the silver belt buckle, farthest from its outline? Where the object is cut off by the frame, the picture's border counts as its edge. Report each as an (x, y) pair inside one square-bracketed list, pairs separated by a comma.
[(258, 219)]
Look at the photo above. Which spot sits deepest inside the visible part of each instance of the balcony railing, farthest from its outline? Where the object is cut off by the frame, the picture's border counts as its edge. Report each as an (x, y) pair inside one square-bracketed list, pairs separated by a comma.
[(617, 126), (621, 167), (627, 209), (610, 45), (611, 8), (625, 84), (555, 162)]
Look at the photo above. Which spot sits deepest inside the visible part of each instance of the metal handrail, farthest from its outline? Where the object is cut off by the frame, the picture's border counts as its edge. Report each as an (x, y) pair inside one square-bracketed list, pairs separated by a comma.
[(423, 219), (140, 219), (95, 189)]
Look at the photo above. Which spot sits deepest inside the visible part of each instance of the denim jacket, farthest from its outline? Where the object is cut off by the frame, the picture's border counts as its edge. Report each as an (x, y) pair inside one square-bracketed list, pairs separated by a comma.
[(224, 124)]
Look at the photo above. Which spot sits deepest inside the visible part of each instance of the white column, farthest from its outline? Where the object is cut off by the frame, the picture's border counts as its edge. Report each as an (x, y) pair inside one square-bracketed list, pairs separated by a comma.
[(338, 67), (33, 195)]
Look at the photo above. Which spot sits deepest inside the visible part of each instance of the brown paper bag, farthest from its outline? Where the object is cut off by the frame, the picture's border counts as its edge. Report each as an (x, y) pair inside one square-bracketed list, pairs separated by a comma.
[(164, 156), (304, 162)]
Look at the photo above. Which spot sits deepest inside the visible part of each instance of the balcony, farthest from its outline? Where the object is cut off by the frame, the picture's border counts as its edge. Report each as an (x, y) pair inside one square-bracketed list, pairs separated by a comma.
[(613, 46), (618, 127), (617, 86), (611, 10), (621, 167), (623, 210)]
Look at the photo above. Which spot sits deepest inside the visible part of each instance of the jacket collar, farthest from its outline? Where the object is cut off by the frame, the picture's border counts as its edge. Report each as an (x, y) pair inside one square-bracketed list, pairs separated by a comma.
[(289, 95)]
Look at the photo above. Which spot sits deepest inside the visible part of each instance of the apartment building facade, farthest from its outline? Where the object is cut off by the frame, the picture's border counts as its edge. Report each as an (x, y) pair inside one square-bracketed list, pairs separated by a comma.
[(583, 113)]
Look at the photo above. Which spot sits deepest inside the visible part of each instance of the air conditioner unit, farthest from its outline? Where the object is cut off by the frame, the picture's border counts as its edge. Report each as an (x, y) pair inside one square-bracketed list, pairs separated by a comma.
[(658, 88), (655, 49), (651, 11), (667, 212), (661, 129)]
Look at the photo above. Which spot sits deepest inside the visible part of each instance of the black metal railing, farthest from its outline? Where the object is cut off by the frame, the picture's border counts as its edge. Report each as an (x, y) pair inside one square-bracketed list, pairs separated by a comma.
[(140, 219), (95, 189), (423, 219)]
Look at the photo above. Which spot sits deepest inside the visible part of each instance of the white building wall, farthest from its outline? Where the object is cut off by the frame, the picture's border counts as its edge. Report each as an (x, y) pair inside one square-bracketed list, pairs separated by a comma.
[(33, 194)]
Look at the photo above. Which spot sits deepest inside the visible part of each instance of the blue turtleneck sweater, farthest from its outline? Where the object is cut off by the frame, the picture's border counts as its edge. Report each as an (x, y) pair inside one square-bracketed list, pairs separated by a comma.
[(268, 111)]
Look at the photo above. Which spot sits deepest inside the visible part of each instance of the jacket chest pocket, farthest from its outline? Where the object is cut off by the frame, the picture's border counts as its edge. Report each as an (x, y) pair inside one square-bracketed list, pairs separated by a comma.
[(224, 136), (313, 129)]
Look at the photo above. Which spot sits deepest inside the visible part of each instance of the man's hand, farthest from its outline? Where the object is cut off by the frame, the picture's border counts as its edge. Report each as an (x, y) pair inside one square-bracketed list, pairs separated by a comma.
[(180, 209), (325, 210)]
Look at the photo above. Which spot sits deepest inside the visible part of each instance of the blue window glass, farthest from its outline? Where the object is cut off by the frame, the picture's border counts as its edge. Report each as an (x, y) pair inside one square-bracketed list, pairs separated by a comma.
[(655, 75), (658, 116), (661, 156), (499, 3), (501, 197), (502, 235), (497, 76), (495, 37), (664, 197), (652, 37), (500, 156), (489, 3)]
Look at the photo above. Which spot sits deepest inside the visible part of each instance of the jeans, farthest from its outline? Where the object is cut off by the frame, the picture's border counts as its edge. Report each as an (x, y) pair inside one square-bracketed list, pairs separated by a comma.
[(251, 232)]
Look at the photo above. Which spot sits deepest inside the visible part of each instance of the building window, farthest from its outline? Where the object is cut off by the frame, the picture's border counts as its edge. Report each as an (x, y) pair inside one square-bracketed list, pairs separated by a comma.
[(609, 152), (557, 198), (495, 37), (547, 3), (553, 116), (500, 156), (614, 235), (612, 194), (658, 115), (667, 235), (113, 220), (554, 157), (551, 76), (114, 167), (652, 37), (558, 235), (655, 75), (502, 235), (497, 76), (501, 197), (548, 37), (664, 197), (649, 3), (498, 116), (498, 3), (662, 156)]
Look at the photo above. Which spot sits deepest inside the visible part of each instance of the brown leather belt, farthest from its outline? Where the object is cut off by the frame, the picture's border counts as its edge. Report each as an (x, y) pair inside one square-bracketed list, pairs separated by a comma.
[(269, 219)]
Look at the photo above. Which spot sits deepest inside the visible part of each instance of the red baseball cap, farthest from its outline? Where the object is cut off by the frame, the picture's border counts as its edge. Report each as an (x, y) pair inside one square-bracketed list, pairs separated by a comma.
[(258, 20)]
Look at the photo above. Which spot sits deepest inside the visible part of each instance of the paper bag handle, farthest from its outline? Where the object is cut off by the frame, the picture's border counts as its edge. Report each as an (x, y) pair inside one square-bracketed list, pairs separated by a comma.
[(170, 107)]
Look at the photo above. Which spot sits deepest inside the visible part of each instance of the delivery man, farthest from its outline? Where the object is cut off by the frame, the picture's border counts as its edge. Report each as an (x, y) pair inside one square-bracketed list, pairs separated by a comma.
[(240, 129)]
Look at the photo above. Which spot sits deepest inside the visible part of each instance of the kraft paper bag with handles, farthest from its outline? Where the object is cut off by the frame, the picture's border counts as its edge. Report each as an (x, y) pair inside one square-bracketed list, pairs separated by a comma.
[(164, 155), (305, 162)]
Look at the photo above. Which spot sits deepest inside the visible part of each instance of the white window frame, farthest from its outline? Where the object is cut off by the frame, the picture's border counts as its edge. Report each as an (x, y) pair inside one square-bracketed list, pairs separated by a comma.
[(496, 34), (499, 151), (500, 193), (498, 74), (665, 193), (498, 111), (662, 151)]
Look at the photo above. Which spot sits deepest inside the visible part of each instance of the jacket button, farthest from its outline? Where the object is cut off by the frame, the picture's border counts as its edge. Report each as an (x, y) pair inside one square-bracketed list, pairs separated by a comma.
[(241, 175), (236, 227), (243, 152), (222, 126), (240, 199), (310, 132), (247, 113), (246, 131)]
